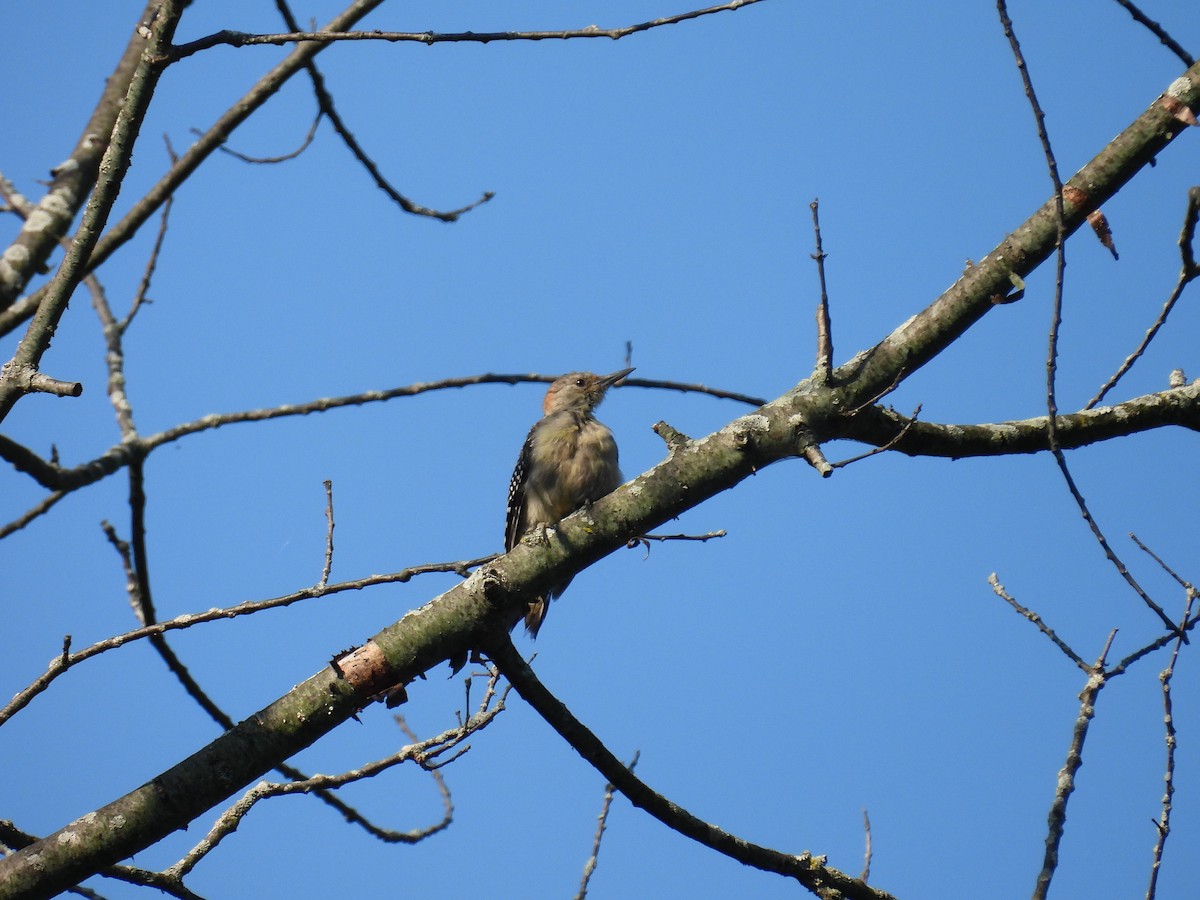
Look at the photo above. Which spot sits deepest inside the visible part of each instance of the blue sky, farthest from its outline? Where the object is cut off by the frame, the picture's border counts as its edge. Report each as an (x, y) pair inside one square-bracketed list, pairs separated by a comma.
[(840, 649)]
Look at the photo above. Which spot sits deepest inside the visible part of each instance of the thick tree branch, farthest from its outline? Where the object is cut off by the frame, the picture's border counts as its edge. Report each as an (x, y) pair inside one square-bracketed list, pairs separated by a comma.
[(880, 426), (992, 280)]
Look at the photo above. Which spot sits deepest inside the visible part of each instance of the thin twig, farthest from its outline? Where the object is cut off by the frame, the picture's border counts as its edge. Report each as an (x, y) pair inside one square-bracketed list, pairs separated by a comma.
[(328, 566), (420, 752), (867, 853), (273, 160), (242, 39), (55, 477), (40, 508), (1056, 323), (1159, 32), (60, 664), (643, 539), (164, 218), (328, 110), (1180, 283), (899, 436), (824, 326), (589, 867), (1163, 825), (1033, 617), (1187, 272)]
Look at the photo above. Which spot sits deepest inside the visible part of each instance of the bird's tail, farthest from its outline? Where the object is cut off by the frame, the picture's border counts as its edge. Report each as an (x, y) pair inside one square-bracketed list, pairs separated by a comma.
[(540, 606), (536, 615)]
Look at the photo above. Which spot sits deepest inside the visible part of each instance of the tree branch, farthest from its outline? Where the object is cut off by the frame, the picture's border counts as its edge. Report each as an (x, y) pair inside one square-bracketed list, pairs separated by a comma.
[(242, 39), (480, 611), (810, 871), (47, 223)]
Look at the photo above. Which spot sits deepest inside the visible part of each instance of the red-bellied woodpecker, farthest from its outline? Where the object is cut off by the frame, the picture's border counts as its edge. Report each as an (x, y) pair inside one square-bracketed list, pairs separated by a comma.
[(569, 459)]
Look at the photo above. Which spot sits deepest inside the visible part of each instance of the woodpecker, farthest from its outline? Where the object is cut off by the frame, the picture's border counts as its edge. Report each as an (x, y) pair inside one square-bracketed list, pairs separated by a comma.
[(569, 459)]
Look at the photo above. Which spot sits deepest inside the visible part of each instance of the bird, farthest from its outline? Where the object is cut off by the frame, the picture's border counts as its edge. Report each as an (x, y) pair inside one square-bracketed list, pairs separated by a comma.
[(568, 460)]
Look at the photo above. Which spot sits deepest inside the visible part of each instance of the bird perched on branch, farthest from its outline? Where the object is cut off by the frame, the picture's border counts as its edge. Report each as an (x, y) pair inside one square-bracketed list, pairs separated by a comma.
[(569, 459)]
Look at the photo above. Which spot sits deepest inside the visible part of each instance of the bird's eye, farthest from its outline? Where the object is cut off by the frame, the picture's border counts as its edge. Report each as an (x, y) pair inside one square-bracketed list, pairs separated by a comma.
[(579, 382)]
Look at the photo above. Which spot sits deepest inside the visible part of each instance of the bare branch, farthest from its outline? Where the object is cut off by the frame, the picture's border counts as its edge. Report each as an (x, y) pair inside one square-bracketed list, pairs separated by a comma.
[(54, 477), (143, 287), (242, 39), (328, 567), (1151, 332), (809, 870), (200, 150), (1186, 585), (1033, 617), (866, 872), (42, 507), (1158, 31), (61, 663), (420, 752), (1187, 234), (114, 164), (883, 448), (273, 160), (73, 179), (589, 868), (1066, 777), (824, 326), (1188, 271), (1163, 825), (885, 427)]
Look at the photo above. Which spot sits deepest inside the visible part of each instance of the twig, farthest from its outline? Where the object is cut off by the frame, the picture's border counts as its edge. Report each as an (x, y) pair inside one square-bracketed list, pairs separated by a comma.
[(242, 39), (1187, 233), (1187, 272), (55, 477), (143, 287), (1163, 825), (1056, 323), (1158, 31), (661, 538), (60, 664), (420, 752), (589, 867), (327, 109), (1180, 283), (866, 872), (899, 436), (1033, 617), (262, 91), (328, 566), (40, 508), (273, 160), (824, 326)]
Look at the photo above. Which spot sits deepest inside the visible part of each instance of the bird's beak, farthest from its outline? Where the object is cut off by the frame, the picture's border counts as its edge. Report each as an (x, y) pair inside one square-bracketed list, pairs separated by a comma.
[(609, 380)]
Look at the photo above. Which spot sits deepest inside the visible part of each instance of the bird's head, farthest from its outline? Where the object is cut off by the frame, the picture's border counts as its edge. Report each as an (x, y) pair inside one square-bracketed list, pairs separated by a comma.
[(579, 391)]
